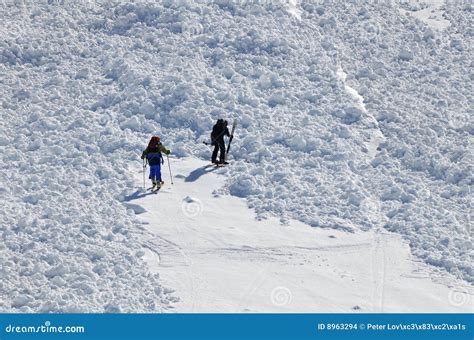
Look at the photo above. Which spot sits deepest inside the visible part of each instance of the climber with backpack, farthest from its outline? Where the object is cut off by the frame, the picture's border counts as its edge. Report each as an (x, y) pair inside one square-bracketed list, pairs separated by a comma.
[(153, 155), (217, 140)]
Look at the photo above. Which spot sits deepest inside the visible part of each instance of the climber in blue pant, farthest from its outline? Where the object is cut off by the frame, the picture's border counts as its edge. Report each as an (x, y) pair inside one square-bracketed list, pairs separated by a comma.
[(153, 154)]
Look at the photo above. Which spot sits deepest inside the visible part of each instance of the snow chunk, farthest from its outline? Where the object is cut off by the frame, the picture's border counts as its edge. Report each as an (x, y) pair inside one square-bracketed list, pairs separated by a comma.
[(59, 270), (137, 209), (132, 123), (243, 186), (405, 55)]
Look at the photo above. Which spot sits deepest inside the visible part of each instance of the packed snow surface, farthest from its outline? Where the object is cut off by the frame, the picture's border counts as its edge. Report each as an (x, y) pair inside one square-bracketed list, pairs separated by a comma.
[(355, 117), (218, 258)]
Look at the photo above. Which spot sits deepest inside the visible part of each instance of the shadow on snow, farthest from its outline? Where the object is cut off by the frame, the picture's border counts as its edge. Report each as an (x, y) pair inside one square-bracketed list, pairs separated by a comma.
[(137, 195), (196, 174)]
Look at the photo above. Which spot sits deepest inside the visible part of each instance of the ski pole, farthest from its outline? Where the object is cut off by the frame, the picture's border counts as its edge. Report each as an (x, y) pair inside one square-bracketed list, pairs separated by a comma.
[(144, 167), (169, 167)]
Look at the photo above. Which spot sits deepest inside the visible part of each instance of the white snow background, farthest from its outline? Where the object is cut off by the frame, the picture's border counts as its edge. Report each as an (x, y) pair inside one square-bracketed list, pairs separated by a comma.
[(352, 115)]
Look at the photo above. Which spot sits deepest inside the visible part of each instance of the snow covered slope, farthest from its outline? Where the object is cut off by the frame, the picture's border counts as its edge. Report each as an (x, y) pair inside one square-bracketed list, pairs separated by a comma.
[(218, 258), (351, 117)]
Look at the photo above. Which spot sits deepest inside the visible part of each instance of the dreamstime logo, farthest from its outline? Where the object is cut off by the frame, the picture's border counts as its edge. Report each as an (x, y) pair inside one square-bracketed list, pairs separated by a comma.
[(370, 209), (458, 296), (191, 207), (192, 28), (13, 32), (197, 66), (456, 123), (244, 3), (371, 29), (46, 328), (16, 3), (90, 4), (281, 296), (369, 206), (186, 124), (279, 118)]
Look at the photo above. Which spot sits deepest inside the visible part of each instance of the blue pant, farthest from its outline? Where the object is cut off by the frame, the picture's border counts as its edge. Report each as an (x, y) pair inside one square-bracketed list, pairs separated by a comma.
[(155, 173)]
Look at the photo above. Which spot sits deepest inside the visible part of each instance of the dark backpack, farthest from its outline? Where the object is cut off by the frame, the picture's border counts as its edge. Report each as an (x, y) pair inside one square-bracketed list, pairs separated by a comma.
[(154, 142)]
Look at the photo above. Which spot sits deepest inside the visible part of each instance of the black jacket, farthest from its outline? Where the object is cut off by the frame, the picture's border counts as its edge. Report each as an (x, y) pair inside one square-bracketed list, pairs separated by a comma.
[(218, 132)]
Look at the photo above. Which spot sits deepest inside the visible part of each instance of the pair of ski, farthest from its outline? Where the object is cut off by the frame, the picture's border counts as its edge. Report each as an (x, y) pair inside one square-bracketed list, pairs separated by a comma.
[(220, 165), (234, 124), (154, 189)]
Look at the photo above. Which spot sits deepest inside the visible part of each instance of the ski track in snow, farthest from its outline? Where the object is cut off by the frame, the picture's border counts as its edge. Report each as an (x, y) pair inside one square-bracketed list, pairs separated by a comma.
[(218, 257)]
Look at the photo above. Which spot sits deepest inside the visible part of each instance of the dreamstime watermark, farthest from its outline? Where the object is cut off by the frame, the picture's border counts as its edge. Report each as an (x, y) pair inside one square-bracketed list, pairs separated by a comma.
[(280, 118), (370, 210), (457, 123), (371, 29), (458, 296), (192, 28), (44, 329), (281, 296), (32, 4), (192, 207), (370, 206)]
